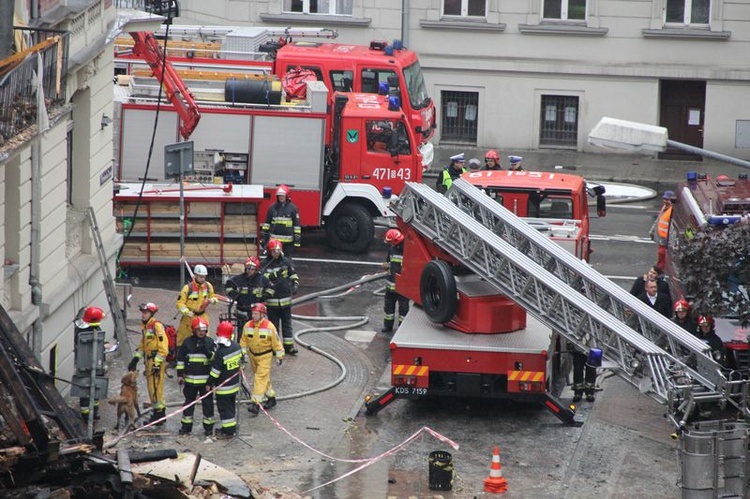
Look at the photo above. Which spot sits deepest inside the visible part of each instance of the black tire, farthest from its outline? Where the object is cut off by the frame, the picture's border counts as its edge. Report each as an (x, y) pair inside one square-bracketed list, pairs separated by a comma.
[(438, 292), (350, 228)]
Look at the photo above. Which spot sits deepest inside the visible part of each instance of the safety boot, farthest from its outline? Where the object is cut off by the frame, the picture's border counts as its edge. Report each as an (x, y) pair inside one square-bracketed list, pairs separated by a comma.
[(185, 430), (387, 327), (253, 408), (290, 350), (156, 416), (268, 404)]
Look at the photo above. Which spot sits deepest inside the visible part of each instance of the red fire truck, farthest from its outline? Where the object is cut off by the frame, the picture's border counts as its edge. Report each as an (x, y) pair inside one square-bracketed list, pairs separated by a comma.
[(464, 338), (342, 67), (342, 161)]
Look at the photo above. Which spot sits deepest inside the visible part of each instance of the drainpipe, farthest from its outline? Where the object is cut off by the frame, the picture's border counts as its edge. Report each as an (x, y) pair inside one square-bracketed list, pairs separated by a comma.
[(405, 23), (36, 218)]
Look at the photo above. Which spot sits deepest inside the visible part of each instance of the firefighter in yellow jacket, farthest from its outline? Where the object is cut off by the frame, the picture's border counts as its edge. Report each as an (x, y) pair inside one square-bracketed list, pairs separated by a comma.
[(260, 342), (194, 299), (154, 347)]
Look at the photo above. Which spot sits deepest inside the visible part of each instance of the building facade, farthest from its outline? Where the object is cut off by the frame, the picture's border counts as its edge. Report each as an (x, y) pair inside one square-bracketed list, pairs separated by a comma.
[(55, 164), (536, 74)]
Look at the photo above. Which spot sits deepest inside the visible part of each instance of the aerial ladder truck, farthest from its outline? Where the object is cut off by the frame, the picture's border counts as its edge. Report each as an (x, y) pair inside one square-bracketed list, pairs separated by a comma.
[(468, 230)]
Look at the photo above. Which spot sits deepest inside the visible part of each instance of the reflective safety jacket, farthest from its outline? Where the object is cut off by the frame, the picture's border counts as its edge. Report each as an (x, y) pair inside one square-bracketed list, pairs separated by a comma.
[(249, 290), (446, 178), (280, 271), (282, 223), (394, 259), (225, 364), (260, 339), (195, 298), (154, 345), (662, 225), (194, 359)]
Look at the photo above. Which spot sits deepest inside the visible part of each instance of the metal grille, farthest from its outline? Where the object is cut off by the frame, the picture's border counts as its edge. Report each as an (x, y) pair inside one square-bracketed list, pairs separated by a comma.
[(559, 122), (460, 115)]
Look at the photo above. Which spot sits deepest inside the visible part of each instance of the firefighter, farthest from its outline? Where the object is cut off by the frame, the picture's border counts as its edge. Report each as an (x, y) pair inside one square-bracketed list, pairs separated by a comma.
[(154, 348), (515, 163), (395, 240), (683, 318), (661, 227), (225, 366), (91, 320), (492, 160), (193, 368), (194, 299), (248, 288), (451, 173), (260, 342), (584, 377), (707, 334), (282, 222), (284, 281)]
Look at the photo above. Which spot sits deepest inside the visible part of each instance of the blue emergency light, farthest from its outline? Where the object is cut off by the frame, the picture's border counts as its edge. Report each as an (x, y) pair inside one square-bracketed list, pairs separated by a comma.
[(394, 103), (595, 357), (383, 88), (387, 192), (398, 45), (389, 50), (692, 176), (721, 220)]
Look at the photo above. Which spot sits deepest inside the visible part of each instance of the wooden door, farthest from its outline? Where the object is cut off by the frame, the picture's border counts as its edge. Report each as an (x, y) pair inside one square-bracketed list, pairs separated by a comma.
[(682, 113)]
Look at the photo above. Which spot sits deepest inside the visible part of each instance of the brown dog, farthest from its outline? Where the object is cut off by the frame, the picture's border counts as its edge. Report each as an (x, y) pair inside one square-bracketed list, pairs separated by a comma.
[(127, 402)]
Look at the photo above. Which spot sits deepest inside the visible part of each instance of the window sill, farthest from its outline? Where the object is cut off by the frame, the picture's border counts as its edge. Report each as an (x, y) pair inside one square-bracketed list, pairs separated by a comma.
[(462, 24), (689, 33), (327, 20), (561, 29)]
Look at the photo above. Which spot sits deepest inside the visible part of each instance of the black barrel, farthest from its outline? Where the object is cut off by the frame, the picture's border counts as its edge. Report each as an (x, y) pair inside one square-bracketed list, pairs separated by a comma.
[(252, 91), (441, 470)]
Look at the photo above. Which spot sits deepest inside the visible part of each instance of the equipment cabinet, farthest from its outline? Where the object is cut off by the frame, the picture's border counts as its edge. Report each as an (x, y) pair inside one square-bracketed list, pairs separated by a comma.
[(221, 223)]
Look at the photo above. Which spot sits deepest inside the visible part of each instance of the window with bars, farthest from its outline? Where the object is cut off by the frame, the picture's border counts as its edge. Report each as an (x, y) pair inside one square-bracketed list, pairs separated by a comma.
[(460, 115), (559, 121)]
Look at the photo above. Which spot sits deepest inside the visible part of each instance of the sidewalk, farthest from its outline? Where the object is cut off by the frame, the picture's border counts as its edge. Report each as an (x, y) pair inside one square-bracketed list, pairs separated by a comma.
[(656, 174)]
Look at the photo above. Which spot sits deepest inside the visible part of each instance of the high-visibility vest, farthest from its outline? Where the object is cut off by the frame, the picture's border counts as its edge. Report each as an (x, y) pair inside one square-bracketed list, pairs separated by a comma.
[(662, 226)]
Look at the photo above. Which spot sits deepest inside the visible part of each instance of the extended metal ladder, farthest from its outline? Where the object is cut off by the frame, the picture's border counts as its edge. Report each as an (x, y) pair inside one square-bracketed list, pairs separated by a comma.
[(121, 332), (568, 296)]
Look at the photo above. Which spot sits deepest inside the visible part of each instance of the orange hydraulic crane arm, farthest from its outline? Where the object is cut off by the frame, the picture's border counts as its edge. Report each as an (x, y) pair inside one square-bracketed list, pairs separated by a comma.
[(147, 47)]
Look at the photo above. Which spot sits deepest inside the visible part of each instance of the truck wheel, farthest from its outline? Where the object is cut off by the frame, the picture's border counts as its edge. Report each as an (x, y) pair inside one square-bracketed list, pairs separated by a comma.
[(350, 228), (437, 290)]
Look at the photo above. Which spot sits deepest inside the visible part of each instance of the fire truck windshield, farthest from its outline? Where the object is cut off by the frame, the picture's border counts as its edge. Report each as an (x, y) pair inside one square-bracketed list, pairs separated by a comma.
[(416, 87)]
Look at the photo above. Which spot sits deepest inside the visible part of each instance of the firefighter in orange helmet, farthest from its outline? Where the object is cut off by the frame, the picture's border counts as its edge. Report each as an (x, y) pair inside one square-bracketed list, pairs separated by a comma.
[(194, 299), (282, 222), (154, 348), (395, 240), (492, 160), (260, 342)]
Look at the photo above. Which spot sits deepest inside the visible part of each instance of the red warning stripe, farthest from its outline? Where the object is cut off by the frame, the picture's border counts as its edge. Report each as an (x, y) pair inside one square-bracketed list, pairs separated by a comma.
[(407, 370)]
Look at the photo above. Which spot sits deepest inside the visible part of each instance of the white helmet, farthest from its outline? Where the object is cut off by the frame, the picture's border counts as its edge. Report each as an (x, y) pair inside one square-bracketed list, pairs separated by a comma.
[(200, 270)]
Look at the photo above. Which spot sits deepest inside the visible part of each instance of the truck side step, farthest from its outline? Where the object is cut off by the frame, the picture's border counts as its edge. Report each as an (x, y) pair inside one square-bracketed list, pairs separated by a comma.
[(565, 413), (374, 405)]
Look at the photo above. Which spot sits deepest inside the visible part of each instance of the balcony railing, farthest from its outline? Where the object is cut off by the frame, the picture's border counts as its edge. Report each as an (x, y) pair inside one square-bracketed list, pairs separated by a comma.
[(166, 8), (19, 78)]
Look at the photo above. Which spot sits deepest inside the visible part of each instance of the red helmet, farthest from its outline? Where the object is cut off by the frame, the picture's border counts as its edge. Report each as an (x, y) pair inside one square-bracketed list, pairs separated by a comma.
[(92, 316), (252, 262), (225, 329), (199, 323), (259, 307), (492, 154), (681, 306), (148, 307), (274, 244), (394, 236), (705, 319), (283, 190)]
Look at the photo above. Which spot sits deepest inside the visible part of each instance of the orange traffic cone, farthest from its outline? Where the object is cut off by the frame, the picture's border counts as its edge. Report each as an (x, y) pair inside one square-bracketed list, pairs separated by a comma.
[(495, 483)]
